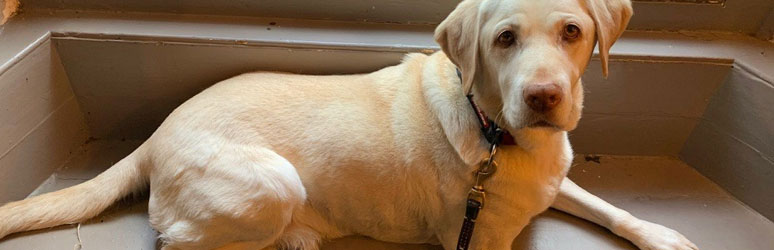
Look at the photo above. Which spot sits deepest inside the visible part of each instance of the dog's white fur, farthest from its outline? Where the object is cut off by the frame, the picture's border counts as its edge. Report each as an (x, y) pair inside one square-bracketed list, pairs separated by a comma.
[(267, 160)]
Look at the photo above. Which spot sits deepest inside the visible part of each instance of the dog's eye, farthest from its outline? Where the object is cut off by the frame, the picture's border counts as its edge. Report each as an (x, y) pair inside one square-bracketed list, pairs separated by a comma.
[(506, 38), (571, 32)]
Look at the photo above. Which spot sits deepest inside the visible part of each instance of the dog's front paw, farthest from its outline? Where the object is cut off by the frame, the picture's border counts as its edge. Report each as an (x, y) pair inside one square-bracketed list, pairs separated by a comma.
[(651, 236)]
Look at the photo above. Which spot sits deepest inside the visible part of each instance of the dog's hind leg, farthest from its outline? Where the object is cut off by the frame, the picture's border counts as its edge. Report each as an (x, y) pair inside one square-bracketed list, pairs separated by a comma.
[(241, 196)]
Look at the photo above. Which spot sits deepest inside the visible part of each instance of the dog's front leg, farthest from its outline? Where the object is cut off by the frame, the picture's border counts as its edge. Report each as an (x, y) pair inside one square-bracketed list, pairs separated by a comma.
[(646, 235), (497, 226)]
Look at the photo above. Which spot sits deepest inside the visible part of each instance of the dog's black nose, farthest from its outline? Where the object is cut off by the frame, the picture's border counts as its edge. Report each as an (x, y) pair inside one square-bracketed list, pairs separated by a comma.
[(542, 97)]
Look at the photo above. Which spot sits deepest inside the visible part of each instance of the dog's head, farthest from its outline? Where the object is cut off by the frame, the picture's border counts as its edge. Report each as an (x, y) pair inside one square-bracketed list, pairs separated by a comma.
[(523, 59)]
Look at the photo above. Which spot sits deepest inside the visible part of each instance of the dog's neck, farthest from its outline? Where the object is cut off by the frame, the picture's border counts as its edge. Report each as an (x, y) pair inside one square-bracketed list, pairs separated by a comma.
[(444, 96), (492, 131)]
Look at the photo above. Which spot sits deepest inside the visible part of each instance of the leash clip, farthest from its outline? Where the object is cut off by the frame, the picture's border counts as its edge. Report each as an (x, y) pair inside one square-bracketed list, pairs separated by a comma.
[(487, 168)]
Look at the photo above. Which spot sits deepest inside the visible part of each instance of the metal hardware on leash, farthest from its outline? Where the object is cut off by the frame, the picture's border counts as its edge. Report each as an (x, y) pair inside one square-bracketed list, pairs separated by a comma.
[(476, 198), (488, 167)]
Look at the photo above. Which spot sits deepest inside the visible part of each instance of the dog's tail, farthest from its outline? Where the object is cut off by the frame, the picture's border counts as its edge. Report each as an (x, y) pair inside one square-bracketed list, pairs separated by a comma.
[(77, 203)]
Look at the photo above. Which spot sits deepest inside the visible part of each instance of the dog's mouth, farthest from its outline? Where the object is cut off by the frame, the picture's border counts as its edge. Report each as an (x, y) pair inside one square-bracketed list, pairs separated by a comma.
[(535, 121), (543, 124)]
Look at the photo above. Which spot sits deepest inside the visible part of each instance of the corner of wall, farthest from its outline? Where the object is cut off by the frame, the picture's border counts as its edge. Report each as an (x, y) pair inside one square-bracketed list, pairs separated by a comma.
[(731, 144), (41, 123)]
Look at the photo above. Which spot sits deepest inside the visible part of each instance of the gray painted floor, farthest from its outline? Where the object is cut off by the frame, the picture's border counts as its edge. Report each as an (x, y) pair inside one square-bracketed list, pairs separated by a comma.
[(663, 190)]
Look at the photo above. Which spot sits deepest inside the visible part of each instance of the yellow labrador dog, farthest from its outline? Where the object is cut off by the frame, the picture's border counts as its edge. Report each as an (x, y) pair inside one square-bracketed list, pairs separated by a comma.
[(271, 160)]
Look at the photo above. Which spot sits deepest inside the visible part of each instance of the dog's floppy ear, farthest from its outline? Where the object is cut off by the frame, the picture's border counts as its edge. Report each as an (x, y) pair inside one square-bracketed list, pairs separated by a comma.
[(611, 18), (458, 37)]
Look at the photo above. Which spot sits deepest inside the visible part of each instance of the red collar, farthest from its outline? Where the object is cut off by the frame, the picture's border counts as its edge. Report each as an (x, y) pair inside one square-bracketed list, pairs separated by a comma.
[(492, 132)]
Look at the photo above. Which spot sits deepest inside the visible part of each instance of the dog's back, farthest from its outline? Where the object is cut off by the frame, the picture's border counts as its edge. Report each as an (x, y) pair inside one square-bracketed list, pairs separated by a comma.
[(339, 122)]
